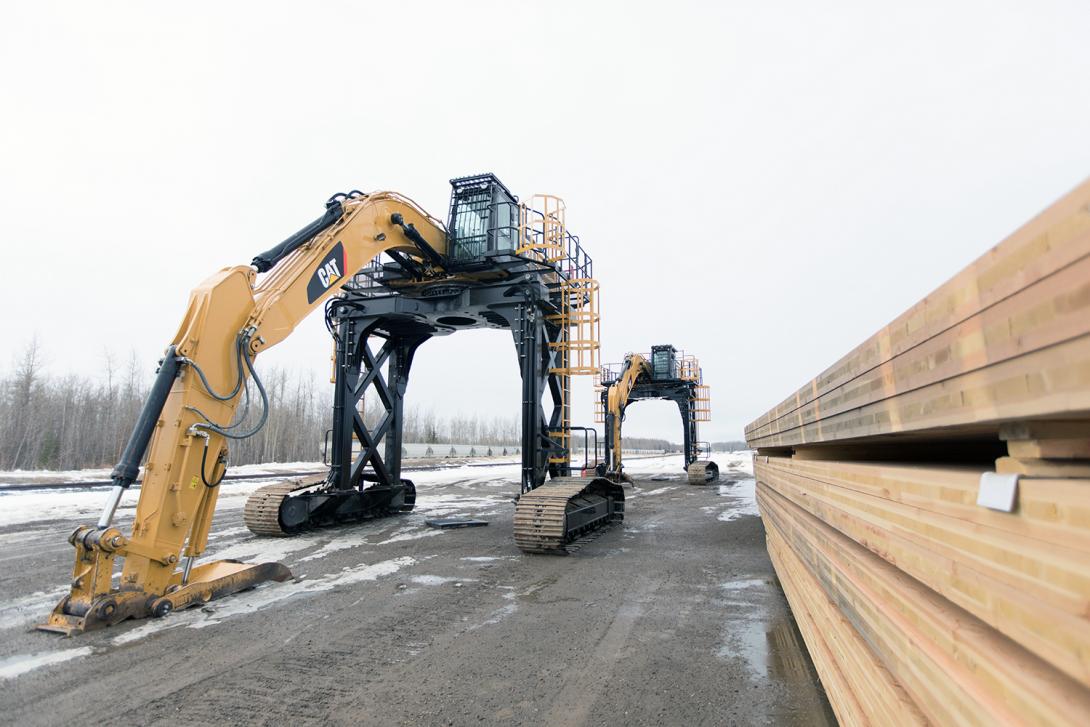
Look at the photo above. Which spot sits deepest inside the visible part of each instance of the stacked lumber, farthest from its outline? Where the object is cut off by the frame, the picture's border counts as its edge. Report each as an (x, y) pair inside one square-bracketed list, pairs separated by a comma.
[(926, 499)]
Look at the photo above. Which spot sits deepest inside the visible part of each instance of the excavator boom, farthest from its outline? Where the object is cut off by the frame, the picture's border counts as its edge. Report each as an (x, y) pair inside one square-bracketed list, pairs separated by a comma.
[(636, 367), (191, 411)]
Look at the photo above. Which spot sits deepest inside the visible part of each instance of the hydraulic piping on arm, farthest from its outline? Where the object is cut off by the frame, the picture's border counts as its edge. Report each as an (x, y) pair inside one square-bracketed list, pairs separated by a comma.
[(636, 367), (231, 318)]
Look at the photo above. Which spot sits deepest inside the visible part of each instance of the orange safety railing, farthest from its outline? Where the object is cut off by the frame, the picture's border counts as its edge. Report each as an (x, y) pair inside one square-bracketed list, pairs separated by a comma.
[(543, 235), (688, 367), (701, 403)]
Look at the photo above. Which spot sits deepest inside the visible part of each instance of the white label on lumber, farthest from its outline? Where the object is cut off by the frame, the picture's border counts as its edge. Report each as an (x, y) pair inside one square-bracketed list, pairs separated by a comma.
[(997, 491)]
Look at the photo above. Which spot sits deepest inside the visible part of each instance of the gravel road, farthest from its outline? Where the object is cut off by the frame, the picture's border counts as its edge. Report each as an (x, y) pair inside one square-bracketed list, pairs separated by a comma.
[(673, 617)]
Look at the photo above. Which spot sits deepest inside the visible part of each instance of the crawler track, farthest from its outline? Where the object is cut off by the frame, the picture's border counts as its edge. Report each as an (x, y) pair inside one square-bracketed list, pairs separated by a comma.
[(289, 508), (550, 517), (262, 511), (703, 473)]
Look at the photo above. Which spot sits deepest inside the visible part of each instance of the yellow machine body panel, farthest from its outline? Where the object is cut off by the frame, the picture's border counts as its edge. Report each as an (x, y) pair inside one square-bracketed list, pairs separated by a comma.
[(174, 513)]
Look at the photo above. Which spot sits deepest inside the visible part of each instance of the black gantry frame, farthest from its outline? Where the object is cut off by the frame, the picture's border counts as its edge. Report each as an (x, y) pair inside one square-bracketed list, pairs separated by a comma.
[(383, 316), (377, 339), (680, 391), (359, 369)]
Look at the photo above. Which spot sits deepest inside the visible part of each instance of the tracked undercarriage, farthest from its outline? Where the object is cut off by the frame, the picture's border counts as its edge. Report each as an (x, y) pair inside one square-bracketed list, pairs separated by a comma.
[(546, 519), (550, 517), (289, 508), (703, 473)]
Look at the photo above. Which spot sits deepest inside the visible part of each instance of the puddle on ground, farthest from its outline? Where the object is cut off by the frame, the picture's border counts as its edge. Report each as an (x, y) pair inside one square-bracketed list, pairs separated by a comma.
[(776, 652), (773, 650), (788, 657), (748, 641)]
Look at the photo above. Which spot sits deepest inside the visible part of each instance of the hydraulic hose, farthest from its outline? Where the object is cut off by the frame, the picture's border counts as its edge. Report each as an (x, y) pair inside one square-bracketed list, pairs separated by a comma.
[(208, 386), (225, 431)]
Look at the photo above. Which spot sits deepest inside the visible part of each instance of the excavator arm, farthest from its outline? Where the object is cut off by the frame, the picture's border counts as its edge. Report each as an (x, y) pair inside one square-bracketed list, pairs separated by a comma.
[(190, 415), (636, 367)]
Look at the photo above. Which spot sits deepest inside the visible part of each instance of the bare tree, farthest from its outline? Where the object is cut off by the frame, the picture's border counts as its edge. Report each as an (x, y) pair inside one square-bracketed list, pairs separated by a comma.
[(75, 421)]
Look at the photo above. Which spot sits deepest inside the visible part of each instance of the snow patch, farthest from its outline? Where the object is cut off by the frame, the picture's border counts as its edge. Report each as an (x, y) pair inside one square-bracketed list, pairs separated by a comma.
[(410, 534), (742, 585), (27, 507), (656, 491), (342, 542), (744, 493), (19, 665), (437, 580), (498, 615), (435, 505), (263, 596), (32, 607), (264, 549)]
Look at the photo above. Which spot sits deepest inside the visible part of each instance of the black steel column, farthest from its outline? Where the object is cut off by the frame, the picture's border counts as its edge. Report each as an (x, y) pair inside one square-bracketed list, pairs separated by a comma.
[(345, 375), (401, 360), (370, 439), (526, 333), (688, 422), (555, 448)]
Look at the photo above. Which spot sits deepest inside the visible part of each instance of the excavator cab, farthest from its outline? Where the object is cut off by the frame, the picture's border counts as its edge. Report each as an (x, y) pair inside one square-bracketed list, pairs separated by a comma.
[(483, 219), (663, 363)]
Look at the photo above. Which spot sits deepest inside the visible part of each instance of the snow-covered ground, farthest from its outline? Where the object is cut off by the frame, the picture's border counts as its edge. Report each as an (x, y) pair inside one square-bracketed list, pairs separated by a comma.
[(24, 508), (20, 508), (731, 464), (736, 483), (103, 473)]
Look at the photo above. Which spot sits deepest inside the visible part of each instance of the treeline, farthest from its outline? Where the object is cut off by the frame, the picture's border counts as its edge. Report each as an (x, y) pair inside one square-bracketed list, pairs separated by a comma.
[(77, 421), (737, 446), (650, 443), (425, 426)]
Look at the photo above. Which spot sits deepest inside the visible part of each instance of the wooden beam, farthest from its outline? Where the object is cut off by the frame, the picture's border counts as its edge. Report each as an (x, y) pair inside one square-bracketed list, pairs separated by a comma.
[(860, 689), (1032, 467), (1034, 592), (955, 668), (1051, 382), (1049, 448), (1026, 294), (916, 603), (1049, 511)]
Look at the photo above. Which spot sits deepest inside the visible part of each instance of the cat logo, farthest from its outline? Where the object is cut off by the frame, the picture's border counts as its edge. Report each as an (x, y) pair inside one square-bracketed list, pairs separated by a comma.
[(329, 271)]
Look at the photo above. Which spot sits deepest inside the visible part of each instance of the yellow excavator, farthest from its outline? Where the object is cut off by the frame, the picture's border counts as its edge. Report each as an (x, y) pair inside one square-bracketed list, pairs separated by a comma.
[(200, 395), (663, 374)]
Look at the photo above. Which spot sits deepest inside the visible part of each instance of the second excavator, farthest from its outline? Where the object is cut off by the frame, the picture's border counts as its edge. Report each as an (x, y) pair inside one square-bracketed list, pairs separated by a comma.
[(390, 277), (665, 373)]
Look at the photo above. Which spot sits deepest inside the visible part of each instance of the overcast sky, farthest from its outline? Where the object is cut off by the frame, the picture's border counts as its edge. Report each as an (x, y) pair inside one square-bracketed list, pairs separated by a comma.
[(764, 184)]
